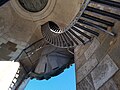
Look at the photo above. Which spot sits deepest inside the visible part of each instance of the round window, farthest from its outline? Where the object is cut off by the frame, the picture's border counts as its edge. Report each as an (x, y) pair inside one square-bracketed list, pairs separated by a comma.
[(33, 5)]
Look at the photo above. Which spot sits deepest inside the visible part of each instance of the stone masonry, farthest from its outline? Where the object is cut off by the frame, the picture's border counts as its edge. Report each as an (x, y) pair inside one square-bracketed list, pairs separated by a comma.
[(98, 63)]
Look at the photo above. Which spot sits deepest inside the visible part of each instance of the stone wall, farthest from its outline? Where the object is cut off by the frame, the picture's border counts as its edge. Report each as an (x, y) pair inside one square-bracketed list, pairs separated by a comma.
[(98, 62), (15, 33)]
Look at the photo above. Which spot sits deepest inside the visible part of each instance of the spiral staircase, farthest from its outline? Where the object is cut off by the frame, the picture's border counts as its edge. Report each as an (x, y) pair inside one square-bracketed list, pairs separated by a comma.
[(85, 26), (78, 30)]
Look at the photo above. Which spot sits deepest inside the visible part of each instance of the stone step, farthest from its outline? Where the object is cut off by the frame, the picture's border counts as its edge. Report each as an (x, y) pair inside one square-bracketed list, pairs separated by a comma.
[(76, 36), (110, 3), (91, 24), (74, 32), (98, 19), (102, 12), (81, 33), (86, 29), (72, 39)]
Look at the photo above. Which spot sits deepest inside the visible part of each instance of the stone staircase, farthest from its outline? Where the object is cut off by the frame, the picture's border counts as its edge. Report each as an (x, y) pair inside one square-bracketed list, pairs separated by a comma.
[(85, 26)]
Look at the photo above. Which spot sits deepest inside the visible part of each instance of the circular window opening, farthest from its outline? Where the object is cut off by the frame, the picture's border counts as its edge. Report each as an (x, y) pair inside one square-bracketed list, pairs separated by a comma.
[(33, 5)]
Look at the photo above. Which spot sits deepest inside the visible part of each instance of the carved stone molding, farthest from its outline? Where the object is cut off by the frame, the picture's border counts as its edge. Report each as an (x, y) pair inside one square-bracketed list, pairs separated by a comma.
[(33, 15), (33, 5)]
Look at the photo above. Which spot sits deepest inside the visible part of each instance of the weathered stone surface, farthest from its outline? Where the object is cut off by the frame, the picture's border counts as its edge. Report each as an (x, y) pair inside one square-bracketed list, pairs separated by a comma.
[(9, 45), (80, 62), (13, 26), (109, 85), (92, 48), (103, 48), (6, 19), (103, 71), (86, 84), (116, 79), (86, 68), (115, 50), (14, 55), (115, 54), (2, 40), (4, 53), (79, 50)]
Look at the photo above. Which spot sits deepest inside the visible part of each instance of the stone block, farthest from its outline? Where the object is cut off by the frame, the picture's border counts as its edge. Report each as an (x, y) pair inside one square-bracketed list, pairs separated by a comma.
[(77, 48), (105, 70), (116, 79), (9, 45), (11, 40), (80, 62), (86, 84), (86, 68), (23, 43), (109, 85), (103, 48), (115, 50), (88, 53), (3, 40), (79, 51), (4, 53), (14, 55), (11, 54), (115, 54), (20, 47)]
